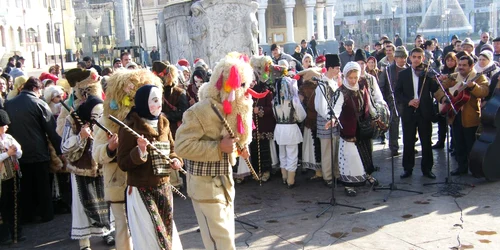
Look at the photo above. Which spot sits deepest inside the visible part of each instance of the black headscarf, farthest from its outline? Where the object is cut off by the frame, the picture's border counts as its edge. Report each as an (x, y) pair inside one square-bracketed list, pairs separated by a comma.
[(85, 109), (141, 102)]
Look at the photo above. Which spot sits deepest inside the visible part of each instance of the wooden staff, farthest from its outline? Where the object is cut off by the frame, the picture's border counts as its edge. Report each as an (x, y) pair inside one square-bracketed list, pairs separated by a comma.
[(102, 127), (231, 133), (72, 113), (151, 146)]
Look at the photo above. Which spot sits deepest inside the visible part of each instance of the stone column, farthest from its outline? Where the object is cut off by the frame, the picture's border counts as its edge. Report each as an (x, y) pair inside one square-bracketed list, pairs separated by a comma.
[(330, 23), (262, 21), (262, 26), (309, 5), (290, 36), (320, 9)]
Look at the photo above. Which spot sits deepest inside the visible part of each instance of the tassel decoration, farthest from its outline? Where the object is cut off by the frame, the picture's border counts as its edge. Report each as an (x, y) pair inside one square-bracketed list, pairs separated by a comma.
[(232, 96), (126, 101), (219, 83), (239, 124), (226, 105), (227, 88), (234, 79), (253, 125), (323, 70), (296, 77), (113, 105)]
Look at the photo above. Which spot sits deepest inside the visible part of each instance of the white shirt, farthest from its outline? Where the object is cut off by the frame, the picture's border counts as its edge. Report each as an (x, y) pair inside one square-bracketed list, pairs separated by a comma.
[(320, 103), (415, 84)]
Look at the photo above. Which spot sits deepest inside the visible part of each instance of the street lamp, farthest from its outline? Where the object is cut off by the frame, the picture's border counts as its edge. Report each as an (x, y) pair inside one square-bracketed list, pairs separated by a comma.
[(51, 30), (378, 24), (393, 8), (97, 45), (60, 46), (447, 12)]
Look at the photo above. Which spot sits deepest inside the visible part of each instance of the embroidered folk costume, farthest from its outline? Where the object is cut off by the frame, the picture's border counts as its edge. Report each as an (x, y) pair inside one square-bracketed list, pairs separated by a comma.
[(288, 111), (149, 194), (175, 102), (329, 138), (90, 212), (122, 86), (352, 103)]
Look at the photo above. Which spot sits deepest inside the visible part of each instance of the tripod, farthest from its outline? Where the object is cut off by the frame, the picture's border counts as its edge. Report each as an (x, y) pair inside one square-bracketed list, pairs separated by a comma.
[(392, 186), (333, 201), (448, 181)]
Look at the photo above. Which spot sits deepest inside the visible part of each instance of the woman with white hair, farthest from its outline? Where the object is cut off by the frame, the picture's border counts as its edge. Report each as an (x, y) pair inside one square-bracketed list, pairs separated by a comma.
[(351, 105)]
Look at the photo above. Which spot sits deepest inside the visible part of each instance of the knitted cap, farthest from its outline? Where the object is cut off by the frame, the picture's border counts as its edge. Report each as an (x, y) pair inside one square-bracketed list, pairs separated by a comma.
[(4, 118), (401, 52)]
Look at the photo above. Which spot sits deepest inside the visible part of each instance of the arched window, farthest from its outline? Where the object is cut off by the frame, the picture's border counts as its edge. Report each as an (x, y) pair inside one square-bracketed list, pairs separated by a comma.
[(20, 35), (49, 35)]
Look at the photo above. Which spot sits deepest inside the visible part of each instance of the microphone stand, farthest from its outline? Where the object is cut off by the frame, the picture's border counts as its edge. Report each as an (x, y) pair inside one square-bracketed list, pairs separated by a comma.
[(333, 202), (392, 186), (448, 181)]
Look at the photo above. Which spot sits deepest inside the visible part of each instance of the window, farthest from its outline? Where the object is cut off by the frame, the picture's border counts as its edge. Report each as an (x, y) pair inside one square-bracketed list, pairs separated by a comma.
[(140, 34), (63, 4), (20, 34), (49, 34), (57, 34)]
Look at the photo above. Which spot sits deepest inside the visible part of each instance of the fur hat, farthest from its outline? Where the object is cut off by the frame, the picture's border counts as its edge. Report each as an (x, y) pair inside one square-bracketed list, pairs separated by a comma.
[(262, 66), (229, 85), (120, 93), (332, 60), (4, 118), (401, 52), (360, 55), (84, 82)]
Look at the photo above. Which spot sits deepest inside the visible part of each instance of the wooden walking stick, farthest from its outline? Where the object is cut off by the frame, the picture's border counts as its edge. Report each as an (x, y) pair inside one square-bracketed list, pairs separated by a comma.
[(231, 133)]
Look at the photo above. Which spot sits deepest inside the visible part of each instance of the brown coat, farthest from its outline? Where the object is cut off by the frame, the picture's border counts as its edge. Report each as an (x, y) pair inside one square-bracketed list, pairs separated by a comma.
[(140, 171), (471, 112), (307, 90)]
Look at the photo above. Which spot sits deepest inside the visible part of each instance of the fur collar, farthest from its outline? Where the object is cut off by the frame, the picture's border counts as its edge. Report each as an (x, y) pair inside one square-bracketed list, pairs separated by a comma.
[(141, 127)]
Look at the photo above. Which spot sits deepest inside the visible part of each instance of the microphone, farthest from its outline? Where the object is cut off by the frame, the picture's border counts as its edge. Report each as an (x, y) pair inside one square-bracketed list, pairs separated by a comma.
[(317, 79)]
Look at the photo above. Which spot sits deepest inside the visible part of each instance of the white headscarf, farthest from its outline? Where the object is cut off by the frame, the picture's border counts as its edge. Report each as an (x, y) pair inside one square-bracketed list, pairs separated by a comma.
[(347, 68)]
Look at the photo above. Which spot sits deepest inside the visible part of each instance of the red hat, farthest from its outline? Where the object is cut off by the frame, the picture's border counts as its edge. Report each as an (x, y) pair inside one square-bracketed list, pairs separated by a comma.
[(196, 60), (183, 62), (320, 59), (46, 75)]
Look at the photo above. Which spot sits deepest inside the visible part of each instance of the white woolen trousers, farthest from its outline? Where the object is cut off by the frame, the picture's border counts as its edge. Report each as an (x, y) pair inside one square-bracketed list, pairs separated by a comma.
[(289, 157), (123, 241)]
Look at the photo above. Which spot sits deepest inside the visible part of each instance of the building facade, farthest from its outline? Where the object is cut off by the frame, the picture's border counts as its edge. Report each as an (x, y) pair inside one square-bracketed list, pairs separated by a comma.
[(39, 30)]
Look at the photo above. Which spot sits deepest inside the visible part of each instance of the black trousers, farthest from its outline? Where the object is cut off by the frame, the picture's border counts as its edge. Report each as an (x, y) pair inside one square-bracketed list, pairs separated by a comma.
[(442, 129), (36, 192), (424, 128), (7, 208), (463, 139)]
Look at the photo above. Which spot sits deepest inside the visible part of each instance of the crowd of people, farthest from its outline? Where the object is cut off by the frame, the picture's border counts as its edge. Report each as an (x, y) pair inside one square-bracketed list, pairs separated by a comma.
[(262, 117)]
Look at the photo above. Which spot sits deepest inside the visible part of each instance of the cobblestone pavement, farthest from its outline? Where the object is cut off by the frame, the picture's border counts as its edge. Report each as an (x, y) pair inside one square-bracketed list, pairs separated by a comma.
[(286, 219)]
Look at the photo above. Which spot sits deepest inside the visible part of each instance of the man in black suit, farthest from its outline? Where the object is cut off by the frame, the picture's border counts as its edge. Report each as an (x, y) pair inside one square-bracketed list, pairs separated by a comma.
[(414, 91)]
